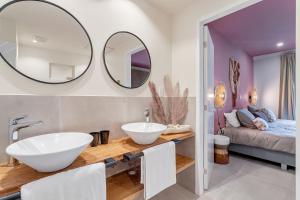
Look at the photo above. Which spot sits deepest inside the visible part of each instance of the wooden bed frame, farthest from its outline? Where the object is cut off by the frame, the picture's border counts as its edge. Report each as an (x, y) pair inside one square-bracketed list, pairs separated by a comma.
[(285, 159)]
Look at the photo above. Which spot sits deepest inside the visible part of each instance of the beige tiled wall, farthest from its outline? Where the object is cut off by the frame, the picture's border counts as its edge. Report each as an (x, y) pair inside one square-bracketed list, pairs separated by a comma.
[(69, 113), (37, 108)]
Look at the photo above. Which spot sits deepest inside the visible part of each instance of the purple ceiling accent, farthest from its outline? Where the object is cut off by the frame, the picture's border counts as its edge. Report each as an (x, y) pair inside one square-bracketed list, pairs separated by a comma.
[(258, 28), (141, 59)]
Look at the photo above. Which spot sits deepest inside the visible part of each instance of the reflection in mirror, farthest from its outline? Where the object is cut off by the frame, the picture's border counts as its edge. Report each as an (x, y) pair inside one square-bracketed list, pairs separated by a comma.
[(127, 60), (43, 41)]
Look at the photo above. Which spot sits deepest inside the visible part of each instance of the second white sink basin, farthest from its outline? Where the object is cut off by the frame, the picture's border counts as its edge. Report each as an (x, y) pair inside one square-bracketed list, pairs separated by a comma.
[(144, 133), (51, 152)]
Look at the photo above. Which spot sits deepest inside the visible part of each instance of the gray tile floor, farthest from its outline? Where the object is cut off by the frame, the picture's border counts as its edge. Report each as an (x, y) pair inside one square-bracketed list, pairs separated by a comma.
[(249, 179), (242, 179)]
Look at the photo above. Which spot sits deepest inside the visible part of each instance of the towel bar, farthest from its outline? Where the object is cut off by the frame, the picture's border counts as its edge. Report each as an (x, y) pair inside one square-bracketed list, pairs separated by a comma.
[(109, 162), (176, 141), (15, 196), (129, 156)]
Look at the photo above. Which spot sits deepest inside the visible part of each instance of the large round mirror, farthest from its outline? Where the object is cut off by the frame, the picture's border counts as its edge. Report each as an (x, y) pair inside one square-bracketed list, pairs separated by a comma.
[(43, 42), (127, 60)]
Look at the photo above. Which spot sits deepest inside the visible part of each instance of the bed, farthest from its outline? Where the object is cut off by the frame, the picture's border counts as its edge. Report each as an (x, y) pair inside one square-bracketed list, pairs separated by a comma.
[(276, 144)]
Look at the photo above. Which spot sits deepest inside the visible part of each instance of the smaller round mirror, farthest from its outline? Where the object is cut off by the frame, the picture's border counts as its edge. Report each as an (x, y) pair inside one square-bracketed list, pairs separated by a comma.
[(127, 60)]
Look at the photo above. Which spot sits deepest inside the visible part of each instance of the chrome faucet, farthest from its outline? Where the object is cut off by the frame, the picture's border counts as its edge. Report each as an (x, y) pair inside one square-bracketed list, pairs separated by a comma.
[(14, 127), (147, 115)]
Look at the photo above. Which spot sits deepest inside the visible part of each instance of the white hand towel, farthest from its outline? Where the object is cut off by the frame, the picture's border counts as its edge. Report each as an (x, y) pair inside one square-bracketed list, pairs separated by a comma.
[(85, 183), (158, 169)]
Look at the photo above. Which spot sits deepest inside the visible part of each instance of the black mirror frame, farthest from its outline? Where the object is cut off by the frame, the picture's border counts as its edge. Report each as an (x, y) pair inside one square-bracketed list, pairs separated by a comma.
[(106, 67), (59, 7)]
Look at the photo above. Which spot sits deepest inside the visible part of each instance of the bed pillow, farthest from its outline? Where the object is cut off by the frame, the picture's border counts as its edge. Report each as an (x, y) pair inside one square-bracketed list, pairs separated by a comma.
[(246, 118), (227, 123), (232, 119), (261, 124), (261, 114), (253, 109), (271, 117)]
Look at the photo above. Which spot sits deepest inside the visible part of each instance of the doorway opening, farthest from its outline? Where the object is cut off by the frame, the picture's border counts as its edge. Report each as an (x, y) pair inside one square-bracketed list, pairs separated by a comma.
[(226, 47)]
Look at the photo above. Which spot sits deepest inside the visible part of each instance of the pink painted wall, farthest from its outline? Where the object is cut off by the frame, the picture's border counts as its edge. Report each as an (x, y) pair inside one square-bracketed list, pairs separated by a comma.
[(224, 50), (141, 59)]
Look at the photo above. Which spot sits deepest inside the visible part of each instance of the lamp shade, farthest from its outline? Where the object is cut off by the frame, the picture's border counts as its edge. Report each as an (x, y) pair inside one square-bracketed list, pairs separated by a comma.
[(253, 97), (220, 95)]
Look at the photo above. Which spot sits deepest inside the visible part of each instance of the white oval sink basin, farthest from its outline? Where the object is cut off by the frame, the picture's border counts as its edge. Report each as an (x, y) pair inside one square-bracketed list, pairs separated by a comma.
[(144, 133), (51, 152)]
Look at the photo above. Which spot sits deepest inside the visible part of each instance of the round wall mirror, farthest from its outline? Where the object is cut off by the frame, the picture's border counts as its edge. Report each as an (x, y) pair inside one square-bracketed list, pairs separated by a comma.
[(43, 42), (127, 60)]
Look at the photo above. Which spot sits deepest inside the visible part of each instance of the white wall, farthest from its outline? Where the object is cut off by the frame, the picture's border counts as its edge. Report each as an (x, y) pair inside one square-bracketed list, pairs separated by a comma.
[(8, 40), (101, 18), (185, 38), (267, 80), (35, 61)]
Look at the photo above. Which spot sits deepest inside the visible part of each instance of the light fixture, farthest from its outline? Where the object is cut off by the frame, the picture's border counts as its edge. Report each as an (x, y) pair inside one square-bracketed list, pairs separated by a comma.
[(253, 97), (279, 44), (220, 95), (220, 100)]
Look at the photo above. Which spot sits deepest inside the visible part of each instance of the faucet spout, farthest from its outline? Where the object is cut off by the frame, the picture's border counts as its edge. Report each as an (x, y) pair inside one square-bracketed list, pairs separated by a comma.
[(20, 126), (14, 130)]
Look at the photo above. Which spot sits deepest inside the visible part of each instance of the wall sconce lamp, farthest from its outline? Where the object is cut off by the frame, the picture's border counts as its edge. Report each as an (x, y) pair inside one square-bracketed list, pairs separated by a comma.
[(220, 100), (253, 97), (220, 95)]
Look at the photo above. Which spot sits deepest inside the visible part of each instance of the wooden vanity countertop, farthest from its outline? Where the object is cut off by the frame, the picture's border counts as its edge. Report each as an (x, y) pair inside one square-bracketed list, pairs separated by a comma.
[(12, 178)]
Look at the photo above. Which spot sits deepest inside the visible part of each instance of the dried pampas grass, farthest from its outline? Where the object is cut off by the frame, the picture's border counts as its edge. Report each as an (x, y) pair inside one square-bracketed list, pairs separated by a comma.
[(158, 111), (175, 109)]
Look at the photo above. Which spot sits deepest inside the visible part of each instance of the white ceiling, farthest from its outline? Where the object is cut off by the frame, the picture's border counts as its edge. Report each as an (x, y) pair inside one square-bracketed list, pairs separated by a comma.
[(59, 29), (171, 6)]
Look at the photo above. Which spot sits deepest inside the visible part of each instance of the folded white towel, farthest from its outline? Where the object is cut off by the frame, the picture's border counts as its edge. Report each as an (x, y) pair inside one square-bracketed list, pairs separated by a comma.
[(85, 183), (158, 169)]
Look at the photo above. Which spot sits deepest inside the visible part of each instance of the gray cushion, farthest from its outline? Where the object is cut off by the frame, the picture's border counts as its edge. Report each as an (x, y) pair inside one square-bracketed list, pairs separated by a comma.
[(252, 109), (246, 118), (271, 117), (262, 115)]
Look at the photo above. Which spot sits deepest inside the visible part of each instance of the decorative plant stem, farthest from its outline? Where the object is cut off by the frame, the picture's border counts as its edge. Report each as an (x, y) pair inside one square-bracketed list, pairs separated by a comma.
[(176, 108), (158, 111)]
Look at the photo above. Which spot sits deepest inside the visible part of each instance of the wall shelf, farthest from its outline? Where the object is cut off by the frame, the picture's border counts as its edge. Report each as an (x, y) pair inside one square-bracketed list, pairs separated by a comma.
[(124, 187), (12, 178)]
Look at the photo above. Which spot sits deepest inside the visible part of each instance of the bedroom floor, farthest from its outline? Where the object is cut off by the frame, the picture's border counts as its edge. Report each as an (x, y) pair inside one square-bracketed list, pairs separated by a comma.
[(250, 179), (244, 178)]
